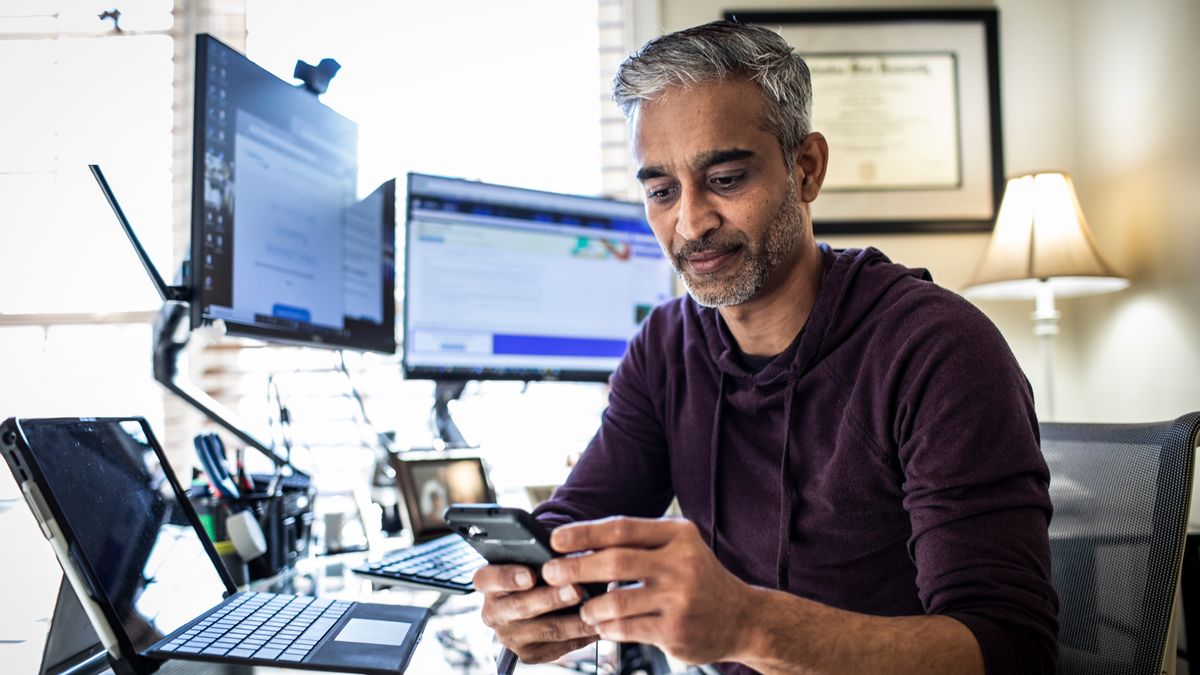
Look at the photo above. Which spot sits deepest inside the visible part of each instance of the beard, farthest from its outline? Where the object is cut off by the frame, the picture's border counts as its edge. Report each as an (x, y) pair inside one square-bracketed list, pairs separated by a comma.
[(759, 259)]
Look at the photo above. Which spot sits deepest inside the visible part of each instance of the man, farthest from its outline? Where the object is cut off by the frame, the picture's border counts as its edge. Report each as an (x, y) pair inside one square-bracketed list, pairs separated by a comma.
[(853, 448)]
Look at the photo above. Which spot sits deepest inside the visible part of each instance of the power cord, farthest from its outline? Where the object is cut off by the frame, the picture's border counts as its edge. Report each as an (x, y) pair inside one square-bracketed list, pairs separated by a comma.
[(382, 439), (284, 436)]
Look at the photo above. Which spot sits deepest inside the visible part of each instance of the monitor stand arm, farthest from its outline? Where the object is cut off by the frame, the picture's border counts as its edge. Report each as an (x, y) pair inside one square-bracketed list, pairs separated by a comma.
[(447, 430), (171, 333), (170, 338)]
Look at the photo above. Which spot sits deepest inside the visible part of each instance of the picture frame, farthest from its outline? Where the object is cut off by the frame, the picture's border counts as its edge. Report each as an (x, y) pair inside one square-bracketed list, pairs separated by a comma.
[(431, 483), (909, 101)]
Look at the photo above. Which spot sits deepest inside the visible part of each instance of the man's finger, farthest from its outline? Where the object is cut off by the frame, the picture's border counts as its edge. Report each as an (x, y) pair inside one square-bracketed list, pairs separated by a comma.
[(520, 606), (548, 651), (617, 531), (623, 603), (646, 629), (503, 578), (610, 564), (556, 628)]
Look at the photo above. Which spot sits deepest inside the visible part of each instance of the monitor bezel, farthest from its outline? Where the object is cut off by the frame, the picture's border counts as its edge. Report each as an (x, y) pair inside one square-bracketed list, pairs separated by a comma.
[(299, 338), (459, 374)]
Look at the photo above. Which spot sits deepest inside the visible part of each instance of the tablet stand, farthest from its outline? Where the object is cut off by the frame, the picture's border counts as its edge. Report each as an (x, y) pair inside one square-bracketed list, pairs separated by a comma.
[(72, 647)]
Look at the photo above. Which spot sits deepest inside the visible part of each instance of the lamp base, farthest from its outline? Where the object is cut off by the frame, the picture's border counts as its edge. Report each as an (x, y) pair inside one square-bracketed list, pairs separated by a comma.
[(1045, 326)]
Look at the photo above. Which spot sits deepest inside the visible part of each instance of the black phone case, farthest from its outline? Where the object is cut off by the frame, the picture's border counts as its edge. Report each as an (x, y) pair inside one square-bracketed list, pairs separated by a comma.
[(508, 536)]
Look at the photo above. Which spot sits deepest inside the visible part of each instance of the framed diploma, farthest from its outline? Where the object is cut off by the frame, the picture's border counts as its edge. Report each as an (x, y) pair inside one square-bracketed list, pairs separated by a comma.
[(909, 101)]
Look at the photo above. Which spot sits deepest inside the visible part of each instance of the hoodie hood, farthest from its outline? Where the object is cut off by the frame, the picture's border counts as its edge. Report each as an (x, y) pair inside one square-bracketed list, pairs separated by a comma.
[(854, 283)]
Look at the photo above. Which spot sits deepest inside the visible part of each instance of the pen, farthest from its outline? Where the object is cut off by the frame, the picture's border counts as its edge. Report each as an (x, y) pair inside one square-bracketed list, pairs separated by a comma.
[(213, 463), (243, 478), (201, 454), (221, 458)]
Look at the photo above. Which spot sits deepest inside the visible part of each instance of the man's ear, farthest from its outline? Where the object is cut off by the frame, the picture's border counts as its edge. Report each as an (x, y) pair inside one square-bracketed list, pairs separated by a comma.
[(812, 157)]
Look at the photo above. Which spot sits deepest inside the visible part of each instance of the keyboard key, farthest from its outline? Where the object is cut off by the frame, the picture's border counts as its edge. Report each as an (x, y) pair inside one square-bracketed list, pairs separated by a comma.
[(241, 653), (267, 653), (215, 651), (318, 629)]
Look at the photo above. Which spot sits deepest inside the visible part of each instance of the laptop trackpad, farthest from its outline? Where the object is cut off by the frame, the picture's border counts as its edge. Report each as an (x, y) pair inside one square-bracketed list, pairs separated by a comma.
[(372, 639), (374, 631)]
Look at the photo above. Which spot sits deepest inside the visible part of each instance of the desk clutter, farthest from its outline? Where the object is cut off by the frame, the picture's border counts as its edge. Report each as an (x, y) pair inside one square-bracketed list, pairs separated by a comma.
[(133, 548), (260, 524)]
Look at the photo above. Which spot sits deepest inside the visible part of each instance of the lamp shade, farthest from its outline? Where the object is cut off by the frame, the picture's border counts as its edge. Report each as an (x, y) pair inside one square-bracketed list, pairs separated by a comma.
[(1041, 236)]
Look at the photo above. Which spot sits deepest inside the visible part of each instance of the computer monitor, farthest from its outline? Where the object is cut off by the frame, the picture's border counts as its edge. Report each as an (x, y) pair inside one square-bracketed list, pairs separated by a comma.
[(281, 249), (509, 283)]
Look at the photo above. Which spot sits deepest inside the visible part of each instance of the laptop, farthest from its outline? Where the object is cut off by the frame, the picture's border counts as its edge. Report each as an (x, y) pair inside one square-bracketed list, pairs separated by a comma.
[(440, 559), (149, 579)]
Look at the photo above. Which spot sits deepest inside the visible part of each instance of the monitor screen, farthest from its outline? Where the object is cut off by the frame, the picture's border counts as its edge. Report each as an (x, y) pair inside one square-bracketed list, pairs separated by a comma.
[(282, 249), (509, 283)]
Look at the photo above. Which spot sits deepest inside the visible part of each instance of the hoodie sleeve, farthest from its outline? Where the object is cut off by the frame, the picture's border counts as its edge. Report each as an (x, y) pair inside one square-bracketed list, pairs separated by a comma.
[(624, 470), (976, 486)]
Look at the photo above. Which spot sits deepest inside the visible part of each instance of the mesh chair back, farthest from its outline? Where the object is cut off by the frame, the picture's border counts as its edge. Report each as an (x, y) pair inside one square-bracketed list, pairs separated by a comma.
[(1121, 494)]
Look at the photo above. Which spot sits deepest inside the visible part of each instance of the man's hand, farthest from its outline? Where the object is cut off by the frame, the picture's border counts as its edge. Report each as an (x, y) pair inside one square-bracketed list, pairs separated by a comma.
[(687, 603), (515, 609)]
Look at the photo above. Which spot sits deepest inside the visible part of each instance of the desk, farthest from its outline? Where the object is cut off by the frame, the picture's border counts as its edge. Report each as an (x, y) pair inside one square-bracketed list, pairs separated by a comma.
[(455, 639)]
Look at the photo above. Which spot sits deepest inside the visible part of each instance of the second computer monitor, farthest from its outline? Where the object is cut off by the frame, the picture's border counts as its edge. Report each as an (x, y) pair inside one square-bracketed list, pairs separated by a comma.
[(509, 283), (282, 249)]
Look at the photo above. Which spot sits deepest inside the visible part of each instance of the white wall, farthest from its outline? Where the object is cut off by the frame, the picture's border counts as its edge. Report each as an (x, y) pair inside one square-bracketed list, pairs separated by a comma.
[(1138, 139), (1104, 89)]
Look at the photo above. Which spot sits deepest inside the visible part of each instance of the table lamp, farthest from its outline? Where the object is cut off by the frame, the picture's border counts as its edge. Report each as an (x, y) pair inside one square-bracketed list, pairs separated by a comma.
[(1041, 248)]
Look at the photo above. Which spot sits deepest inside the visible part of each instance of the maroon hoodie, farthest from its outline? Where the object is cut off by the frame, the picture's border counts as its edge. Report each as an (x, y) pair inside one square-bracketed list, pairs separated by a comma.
[(887, 462)]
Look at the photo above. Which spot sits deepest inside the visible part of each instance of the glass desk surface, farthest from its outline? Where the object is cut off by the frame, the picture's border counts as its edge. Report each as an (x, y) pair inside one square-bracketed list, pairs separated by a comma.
[(455, 640)]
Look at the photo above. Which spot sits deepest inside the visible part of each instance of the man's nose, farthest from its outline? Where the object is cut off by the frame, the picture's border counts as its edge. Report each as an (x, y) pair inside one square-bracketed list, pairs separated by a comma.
[(696, 216)]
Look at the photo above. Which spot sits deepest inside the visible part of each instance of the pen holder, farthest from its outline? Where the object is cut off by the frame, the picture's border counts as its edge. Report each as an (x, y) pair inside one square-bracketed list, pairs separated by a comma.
[(214, 514), (285, 516)]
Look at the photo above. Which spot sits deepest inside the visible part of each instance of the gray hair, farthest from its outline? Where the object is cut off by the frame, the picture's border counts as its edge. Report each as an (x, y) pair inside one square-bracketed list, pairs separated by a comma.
[(718, 51)]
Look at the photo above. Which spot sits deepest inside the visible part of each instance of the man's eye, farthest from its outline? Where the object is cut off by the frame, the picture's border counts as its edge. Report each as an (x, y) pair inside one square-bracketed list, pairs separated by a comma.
[(658, 194), (727, 181)]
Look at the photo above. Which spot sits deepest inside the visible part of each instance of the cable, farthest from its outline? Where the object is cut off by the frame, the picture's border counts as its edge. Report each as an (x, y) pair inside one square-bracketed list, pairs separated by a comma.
[(275, 400), (284, 436), (381, 438)]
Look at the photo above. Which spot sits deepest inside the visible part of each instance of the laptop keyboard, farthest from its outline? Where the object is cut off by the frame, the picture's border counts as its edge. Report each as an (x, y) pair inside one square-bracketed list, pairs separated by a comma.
[(265, 626), (447, 563)]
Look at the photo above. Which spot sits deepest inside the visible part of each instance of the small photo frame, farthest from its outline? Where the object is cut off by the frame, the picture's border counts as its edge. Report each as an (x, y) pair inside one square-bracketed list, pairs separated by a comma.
[(430, 484)]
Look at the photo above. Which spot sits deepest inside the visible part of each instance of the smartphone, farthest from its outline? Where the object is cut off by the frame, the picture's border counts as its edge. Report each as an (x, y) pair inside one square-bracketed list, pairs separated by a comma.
[(508, 536)]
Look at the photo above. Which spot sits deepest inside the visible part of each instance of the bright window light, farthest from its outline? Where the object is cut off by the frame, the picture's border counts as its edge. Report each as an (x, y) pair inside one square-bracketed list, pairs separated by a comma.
[(505, 92)]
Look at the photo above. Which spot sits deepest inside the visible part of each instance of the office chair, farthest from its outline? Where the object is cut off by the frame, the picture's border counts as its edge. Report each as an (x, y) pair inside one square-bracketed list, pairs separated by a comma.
[(1121, 494)]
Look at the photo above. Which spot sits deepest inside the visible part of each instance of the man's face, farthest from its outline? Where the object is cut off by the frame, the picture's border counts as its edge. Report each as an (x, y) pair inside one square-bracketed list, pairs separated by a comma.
[(718, 194)]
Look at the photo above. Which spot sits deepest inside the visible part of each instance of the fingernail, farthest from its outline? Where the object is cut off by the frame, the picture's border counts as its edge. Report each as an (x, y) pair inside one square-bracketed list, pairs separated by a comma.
[(550, 570), (523, 578), (558, 538), (567, 594)]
